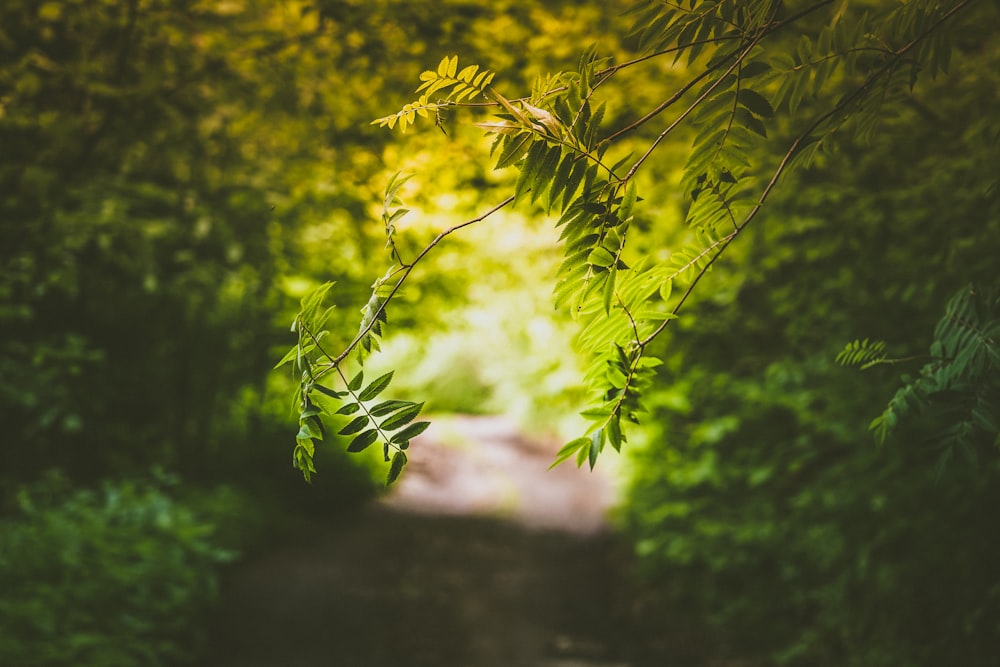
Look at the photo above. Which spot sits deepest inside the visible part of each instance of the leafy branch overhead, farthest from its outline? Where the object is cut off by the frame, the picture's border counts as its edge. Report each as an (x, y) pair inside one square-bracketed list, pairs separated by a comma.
[(769, 87)]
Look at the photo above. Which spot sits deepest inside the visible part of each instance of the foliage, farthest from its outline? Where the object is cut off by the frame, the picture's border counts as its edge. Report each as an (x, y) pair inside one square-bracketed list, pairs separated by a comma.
[(465, 85), (313, 363), (955, 399), (121, 575), (769, 88), (168, 170), (140, 261), (760, 507), (758, 504)]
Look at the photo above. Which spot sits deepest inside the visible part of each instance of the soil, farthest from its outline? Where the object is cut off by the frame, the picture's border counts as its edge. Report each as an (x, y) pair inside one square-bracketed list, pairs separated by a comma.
[(480, 557)]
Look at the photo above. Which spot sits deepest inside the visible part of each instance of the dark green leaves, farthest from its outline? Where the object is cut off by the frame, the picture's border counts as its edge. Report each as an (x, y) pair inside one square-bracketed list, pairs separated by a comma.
[(354, 426), (411, 431), (327, 391), (755, 103), (402, 418), (396, 467), (361, 442), (955, 399), (386, 407), (395, 429), (370, 419)]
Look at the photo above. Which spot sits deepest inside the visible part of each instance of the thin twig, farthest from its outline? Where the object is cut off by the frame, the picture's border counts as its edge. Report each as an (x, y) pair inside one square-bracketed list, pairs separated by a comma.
[(406, 272)]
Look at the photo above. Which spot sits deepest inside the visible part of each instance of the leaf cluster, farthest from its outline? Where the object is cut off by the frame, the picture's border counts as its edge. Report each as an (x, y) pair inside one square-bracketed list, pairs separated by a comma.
[(863, 353), (955, 399), (388, 421), (458, 86)]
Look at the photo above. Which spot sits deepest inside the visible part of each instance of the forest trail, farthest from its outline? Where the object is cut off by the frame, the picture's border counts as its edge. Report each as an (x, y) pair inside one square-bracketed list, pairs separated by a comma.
[(480, 557), (484, 466)]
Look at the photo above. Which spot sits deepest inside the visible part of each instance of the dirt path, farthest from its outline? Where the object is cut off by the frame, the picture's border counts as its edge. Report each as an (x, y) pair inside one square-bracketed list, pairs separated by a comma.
[(479, 558), (483, 466)]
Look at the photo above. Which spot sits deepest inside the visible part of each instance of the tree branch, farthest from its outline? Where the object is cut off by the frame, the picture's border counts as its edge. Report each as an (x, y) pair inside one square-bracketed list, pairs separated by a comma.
[(405, 274)]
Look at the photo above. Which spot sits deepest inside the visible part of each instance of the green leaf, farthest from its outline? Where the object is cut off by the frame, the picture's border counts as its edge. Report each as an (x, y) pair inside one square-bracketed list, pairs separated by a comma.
[(514, 148), (306, 432), (403, 417), (326, 391), (609, 291), (529, 168), (755, 68), (289, 356), (568, 450), (583, 453), (756, 103), (628, 201), (615, 436), (410, 432), (363, 441), (354, 426), (348, 409), (310, 411), (601, 256), (386, 407), (596, 445), (561, 178), (396, 467), (544, 174), (751, 122), (376, 387), (311, 301), (315, 425), (356, 381), (574, 181)]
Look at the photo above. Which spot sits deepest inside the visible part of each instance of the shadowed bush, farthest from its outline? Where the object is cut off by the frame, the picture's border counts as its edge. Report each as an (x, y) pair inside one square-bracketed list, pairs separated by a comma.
[(112, 577)]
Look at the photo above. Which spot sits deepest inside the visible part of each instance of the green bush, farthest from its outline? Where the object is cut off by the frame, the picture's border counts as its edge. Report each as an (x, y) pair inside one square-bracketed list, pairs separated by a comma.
[(117, 576)]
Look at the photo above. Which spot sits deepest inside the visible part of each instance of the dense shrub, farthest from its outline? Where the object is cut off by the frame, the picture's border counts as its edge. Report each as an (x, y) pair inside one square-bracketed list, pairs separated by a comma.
[(111, 577)]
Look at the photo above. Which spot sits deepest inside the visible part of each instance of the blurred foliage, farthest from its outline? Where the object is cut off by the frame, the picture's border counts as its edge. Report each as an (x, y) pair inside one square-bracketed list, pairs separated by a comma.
[(175, 175), (952, 403), (118, 576), (759, 502)]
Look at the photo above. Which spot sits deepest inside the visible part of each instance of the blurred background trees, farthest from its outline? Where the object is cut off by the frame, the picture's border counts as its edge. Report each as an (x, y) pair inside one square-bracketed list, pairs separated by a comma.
[(760, 501), (175, 175)]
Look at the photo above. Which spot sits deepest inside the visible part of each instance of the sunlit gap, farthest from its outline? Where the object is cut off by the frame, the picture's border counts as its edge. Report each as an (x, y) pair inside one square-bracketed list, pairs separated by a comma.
[(499, 379)]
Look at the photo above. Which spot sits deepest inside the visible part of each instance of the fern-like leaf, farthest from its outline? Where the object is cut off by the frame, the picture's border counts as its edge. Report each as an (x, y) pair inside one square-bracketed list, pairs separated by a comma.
[(864, 353), (457, 86)]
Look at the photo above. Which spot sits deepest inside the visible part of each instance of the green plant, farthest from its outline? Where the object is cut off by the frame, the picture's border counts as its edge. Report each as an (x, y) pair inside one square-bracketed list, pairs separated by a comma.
[(954, 402), (113, 577)]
